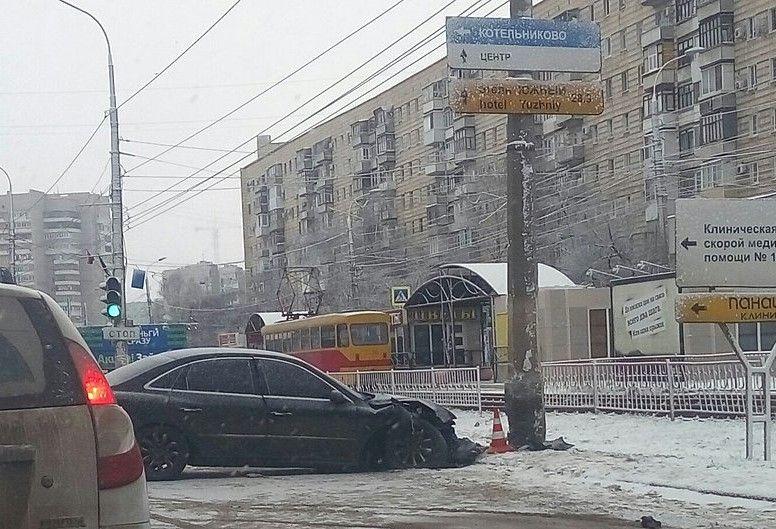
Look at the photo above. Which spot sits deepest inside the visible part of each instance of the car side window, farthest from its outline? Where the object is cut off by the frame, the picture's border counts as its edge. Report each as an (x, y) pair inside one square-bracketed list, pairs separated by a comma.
[(169, 379), (343, 338), (222, 375), (286, 379)]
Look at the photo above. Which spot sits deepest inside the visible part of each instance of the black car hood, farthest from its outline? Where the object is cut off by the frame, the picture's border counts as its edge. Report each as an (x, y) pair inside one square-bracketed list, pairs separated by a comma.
[(381, 400)]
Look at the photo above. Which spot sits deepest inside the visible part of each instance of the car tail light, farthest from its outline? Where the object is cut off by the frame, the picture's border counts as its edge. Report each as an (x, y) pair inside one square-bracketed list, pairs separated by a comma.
[(120, 469), (119, 461), (95, 385)]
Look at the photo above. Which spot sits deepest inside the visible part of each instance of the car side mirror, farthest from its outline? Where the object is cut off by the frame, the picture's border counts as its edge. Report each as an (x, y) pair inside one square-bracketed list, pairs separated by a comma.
[(337, 397)]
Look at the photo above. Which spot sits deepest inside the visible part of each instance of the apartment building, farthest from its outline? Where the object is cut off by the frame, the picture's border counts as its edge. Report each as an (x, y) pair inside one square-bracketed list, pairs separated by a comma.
[(380, 194), (55, 233)]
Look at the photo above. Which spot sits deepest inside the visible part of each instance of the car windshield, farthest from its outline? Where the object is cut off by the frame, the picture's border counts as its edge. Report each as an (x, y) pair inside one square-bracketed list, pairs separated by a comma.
[(352, 236)]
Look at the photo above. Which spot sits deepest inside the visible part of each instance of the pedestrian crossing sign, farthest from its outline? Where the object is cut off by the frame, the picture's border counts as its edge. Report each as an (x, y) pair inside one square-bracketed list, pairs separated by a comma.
[(399, 296)]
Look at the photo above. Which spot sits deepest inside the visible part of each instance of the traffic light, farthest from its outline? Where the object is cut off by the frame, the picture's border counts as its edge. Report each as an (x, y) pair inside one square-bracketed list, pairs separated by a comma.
[(112, 298)]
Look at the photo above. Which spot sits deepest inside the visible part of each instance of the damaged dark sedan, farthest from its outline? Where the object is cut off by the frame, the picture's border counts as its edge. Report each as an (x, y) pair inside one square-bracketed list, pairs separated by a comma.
[(237, 407)]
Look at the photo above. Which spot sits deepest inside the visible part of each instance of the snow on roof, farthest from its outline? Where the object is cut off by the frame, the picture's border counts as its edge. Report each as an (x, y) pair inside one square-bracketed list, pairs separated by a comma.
[(271, 317), (495, 274)]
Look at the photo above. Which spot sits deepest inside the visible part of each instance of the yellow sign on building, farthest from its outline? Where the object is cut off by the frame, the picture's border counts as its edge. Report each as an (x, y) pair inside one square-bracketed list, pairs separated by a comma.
[(524, 96), (726, 308)]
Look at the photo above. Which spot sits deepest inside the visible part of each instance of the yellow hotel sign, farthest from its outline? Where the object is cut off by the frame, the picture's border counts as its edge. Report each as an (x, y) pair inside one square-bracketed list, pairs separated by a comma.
[(726, 308), (522, 96)]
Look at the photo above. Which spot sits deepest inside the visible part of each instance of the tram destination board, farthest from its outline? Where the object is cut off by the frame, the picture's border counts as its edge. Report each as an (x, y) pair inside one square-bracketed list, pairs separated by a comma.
[(718, 307), (522, 96), (726, 243)]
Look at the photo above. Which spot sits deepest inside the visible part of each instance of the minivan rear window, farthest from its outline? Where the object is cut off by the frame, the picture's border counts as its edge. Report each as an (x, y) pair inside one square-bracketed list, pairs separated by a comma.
[(35, 366)]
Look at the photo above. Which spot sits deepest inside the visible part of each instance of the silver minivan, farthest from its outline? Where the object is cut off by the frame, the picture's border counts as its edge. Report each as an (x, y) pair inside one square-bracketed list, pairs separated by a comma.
[(68, 455)]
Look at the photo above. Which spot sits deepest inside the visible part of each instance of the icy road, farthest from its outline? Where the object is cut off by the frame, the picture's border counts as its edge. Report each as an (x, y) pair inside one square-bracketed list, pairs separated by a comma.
[(685, 473)]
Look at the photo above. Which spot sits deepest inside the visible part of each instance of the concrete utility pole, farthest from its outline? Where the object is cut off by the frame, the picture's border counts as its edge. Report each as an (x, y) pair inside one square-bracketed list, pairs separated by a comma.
[(352, 249), (117, 210), (524, 390), (658, 154), (11, 225)]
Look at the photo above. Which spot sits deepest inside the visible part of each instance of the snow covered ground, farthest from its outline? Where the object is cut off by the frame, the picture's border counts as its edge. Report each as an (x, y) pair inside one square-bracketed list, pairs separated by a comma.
[(675, 470), (686, 473)]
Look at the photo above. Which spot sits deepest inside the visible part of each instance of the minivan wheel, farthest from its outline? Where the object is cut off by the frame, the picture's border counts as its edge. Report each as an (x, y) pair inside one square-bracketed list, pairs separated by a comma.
[(165, 452), (423, 446)]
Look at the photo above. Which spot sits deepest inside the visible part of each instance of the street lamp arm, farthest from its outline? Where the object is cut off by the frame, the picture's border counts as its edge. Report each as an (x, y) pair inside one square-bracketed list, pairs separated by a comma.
[(107, 40)]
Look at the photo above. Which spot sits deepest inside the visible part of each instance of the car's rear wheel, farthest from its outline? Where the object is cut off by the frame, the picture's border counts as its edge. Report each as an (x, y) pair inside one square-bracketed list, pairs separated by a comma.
[(165, 452), (422, 446)]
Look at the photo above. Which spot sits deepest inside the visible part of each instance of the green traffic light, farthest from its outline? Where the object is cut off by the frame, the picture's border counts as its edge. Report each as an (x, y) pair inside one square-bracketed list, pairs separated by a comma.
[(114, 311)]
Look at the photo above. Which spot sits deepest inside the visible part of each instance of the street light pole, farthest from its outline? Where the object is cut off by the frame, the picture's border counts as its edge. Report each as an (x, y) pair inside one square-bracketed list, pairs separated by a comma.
[(658, 151), (11, 225), (352, 249), (117, 211), (148, 288)]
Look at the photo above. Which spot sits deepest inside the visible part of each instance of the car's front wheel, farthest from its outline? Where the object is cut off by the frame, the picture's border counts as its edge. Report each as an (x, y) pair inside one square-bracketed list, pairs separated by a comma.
[(165, 452), (421, 446)]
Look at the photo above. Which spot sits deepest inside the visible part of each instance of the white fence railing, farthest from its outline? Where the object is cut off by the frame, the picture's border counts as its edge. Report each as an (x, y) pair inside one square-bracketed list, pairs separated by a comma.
[(456, 387), (690, 385)]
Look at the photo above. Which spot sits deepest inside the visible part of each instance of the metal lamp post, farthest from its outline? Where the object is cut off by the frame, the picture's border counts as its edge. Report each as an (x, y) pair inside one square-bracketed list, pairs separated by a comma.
[(148, 288), (658, 162), (11, 224)]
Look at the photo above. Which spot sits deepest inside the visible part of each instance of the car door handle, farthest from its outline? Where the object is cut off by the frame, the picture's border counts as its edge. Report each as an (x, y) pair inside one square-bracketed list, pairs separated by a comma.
[(281, 413), (191, 410)]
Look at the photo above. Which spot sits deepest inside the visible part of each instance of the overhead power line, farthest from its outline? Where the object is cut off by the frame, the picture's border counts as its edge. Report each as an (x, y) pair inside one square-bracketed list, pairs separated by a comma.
[(181, 54), (69, 165), (273, 85), (152, 210)]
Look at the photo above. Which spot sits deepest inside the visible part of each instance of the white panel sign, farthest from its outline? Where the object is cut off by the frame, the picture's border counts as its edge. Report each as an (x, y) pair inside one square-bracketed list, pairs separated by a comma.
[(523, 44), (726, 243)]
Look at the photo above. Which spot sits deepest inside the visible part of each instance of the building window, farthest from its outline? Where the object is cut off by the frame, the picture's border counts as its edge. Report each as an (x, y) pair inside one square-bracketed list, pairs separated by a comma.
[(709, 176), (653, 57), (623, 42), (607, 7), (752, 75), (624, 81), (754, 124), (608, 88), (757, 336), (607, 45), (686, 140), (685, 9), (712, 79), (685, 96), (681, 48), (716, 30)]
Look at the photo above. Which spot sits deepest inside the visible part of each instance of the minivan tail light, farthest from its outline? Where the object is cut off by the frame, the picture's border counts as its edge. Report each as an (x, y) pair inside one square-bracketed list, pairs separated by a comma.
[(95, 385), (121, 469)]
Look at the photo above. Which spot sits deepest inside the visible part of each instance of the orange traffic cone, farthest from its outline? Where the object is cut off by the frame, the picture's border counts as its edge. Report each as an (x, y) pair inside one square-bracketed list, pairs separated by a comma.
[(498, 443)]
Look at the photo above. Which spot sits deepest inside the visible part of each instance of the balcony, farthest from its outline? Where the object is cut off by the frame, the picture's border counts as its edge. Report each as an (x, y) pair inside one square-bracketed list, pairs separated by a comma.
[(275, 171), (262, 231), (435, 103), (322, 157), (386, 127), (386, 157), (465, 155), (569, 121), (655, 3), (323, 207), (362, 166), (464, 121), (707, 9), (667, 76), (722, 53), (570, 154), (435, 164), (279, 249), (658, 34), (430, 137)]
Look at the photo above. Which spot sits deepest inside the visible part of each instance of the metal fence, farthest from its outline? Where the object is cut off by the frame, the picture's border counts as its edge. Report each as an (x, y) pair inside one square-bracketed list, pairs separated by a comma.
[(698, 385), (712, 385), (456, 387)]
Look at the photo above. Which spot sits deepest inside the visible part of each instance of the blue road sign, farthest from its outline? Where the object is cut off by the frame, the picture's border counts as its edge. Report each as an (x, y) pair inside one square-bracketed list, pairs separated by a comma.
[(154, 339), (526, 44)]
